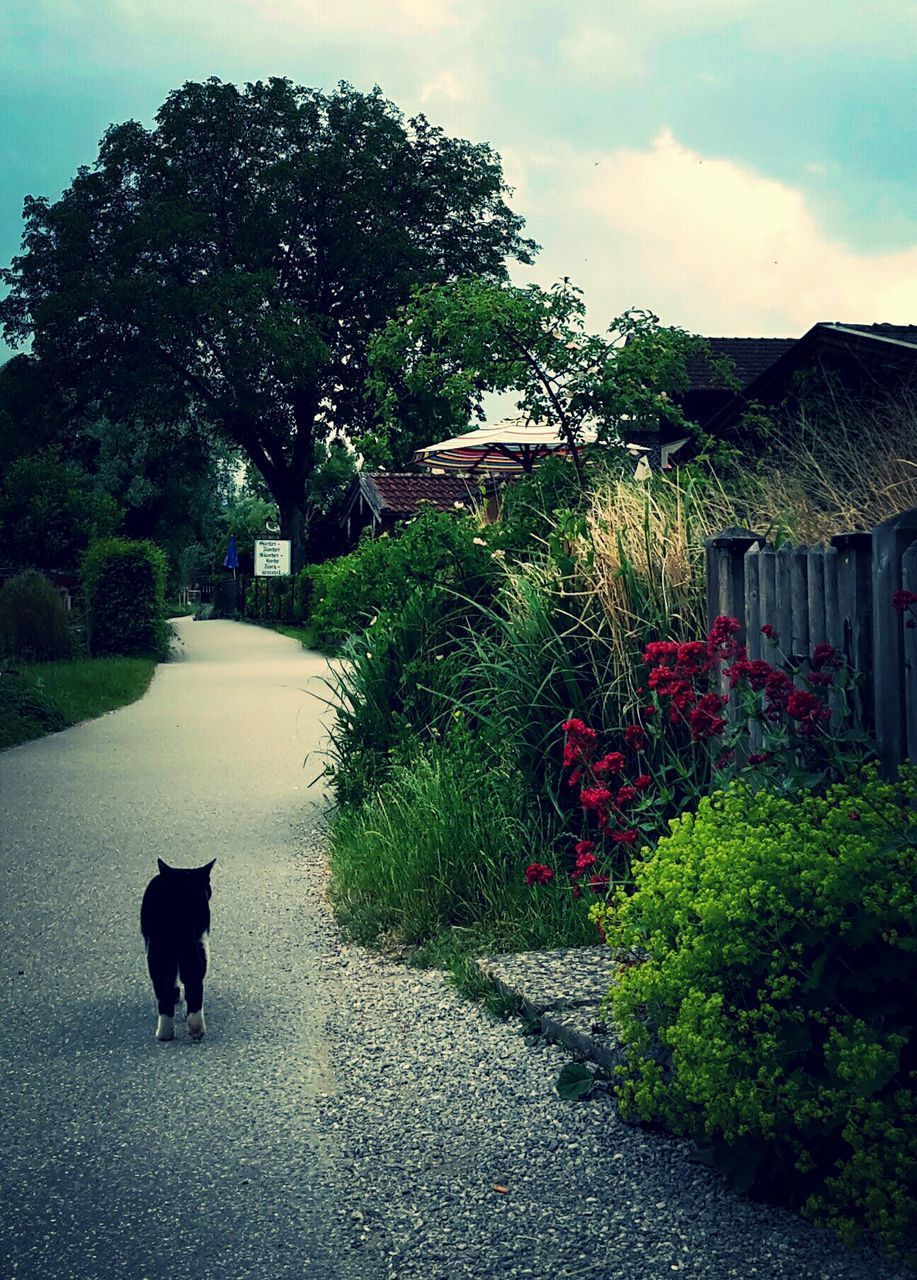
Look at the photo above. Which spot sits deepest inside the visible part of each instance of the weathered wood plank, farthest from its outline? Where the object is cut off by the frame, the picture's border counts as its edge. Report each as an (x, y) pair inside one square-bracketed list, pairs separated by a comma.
[(909, 583), (783, 598), (890, 540), (725, 564), (799, 603), (752, 601), (815, 596)]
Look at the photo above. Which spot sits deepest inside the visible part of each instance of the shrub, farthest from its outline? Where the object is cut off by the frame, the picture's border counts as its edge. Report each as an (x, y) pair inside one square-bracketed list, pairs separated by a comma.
[(124, 585), (435, 549), (33, 619), (767, 1008)]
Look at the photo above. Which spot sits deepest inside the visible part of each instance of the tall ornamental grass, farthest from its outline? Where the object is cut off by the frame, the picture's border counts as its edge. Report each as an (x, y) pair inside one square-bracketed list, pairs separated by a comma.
[(442, 846)]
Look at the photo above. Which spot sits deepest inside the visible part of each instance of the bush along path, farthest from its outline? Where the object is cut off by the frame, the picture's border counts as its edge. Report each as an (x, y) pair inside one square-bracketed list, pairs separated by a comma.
[(460, 1159)]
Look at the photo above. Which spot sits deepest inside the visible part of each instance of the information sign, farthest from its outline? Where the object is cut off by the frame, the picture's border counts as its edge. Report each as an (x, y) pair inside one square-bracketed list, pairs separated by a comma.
[(272, 558)]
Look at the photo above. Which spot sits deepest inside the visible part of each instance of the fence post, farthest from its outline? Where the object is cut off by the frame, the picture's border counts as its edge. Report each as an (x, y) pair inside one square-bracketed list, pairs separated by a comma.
[(753, 600), (767, 590), (799, 602), (854, 616), (816, 595), (890, 540), (783, 600), (909, 583), (725, 564)]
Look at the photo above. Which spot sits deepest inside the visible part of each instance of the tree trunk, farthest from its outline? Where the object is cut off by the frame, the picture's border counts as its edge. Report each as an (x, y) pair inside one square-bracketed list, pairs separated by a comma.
[(293, 527)]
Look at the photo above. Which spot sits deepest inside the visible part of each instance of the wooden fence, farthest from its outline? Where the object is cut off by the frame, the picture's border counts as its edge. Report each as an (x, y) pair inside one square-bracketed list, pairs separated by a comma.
[(840, 594)]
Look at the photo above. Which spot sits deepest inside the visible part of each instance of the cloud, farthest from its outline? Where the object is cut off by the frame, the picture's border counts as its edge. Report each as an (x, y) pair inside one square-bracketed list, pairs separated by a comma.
[(708, 244)]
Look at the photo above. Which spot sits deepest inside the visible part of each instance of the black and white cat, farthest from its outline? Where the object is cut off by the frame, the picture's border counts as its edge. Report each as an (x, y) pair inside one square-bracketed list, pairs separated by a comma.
[(175, 923)]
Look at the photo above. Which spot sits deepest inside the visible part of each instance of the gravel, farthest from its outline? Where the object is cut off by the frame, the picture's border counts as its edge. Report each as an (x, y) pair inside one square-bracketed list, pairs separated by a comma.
[(457, 1158)]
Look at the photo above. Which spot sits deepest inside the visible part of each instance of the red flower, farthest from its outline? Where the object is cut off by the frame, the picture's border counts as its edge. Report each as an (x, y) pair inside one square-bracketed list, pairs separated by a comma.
[(574, 778), (625, 837), (723, 759), (649, 710), (825, 655), (758, 757), (704, 719), (626, 795), (643, 781), (635, 737), (598, 884), (580, 742), (777, 688), (802, 705), (538, 873), (853, 815), (693, 659), (595, 797), (583, 863), (723, 629), (901, 600), (754, 671), (612, 763), (583, 846), (768, 630), (661, 652), (819, 678)]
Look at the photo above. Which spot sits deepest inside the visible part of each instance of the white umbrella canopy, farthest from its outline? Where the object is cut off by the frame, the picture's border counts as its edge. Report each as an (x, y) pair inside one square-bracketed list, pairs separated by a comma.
[(507, 447)]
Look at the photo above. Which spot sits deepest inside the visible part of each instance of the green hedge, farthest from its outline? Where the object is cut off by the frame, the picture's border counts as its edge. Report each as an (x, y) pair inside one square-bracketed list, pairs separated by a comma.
[(124, 589), (770, 1012)]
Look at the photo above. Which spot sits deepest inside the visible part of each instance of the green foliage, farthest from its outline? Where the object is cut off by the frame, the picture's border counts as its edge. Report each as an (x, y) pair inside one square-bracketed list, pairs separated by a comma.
[(33, 618), (387, 694), (530, 507), (435, 550), (442, 843), (455, 341), (50, 510), (326, 208), (123, 585), (772, 1015)]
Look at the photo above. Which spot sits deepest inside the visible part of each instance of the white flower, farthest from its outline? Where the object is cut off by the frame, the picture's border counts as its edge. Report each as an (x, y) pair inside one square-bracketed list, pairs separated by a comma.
[(478, 542), (439, 657), (459, 506)]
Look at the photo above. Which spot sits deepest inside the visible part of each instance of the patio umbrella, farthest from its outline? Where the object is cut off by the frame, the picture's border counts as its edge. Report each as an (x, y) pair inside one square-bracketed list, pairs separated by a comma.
[(232, 558), (508, 447)]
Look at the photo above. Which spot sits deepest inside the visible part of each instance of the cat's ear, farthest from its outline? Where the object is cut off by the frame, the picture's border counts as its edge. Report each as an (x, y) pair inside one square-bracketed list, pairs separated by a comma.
[(163, 866), (209, 867)]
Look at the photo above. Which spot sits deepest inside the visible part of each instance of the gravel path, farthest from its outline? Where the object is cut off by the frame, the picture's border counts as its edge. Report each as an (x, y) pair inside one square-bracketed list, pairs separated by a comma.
[(438, 1104), (345, 1116)]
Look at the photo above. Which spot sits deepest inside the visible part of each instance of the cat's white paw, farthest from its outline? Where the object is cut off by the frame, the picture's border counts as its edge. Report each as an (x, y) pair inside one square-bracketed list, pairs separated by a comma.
[(165, 1028), (196, 1026)]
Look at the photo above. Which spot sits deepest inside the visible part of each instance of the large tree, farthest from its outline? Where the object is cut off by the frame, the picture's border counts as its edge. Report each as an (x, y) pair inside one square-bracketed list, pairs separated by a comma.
[(233, 262)]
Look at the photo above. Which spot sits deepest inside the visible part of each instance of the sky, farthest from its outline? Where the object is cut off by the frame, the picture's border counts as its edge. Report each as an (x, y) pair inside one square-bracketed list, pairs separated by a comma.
[(738, 167)]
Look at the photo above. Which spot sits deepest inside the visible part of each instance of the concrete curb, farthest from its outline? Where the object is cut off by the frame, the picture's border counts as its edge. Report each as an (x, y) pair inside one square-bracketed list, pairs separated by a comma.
[(564, 990)]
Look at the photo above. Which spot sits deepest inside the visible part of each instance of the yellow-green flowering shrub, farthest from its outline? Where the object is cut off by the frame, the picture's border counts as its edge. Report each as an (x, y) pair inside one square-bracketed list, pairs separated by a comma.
[(770, 1012)]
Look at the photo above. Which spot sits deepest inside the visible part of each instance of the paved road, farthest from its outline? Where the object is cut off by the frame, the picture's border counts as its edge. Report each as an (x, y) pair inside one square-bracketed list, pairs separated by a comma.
[(123, 1157)]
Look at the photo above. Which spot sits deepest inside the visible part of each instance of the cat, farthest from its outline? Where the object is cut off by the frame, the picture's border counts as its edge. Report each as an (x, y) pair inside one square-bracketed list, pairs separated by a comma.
[(175, 923)]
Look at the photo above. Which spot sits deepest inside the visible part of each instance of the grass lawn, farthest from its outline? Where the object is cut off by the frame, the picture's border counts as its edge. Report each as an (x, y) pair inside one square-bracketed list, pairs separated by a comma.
[(43, 697), (305, 635)]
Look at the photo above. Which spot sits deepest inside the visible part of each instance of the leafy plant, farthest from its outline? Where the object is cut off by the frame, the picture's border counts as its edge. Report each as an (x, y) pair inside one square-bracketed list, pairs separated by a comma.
[(123, 585), (770, 1011), (33, 618)]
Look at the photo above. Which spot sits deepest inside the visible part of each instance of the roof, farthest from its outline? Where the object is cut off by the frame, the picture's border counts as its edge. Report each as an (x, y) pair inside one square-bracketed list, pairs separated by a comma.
[(401, 493), (748, 357), (883, 347)]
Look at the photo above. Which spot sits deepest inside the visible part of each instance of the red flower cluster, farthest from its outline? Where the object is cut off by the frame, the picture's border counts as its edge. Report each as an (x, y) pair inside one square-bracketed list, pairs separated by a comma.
[(538, 873), (902, 600), (580, 743)]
